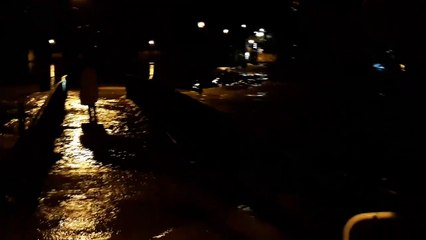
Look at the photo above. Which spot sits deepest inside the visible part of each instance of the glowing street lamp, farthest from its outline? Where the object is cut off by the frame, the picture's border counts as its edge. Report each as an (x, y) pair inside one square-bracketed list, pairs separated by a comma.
[(226, 31), (52, 41), (251, 41), (261, 30), (243, 25), (201, 24), (151, 42)]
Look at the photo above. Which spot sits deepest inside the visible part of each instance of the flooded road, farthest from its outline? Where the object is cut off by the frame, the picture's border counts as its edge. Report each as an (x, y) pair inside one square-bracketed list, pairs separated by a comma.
[(109, 182), (89, 197)]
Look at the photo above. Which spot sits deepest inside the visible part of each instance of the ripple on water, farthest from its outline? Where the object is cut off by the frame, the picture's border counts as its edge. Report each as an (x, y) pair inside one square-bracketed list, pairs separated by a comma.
[(88, 199), (81, 196)]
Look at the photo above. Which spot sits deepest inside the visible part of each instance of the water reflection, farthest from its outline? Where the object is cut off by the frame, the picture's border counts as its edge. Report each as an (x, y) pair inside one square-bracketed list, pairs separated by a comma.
[(82, 193), (32, 106), (31, 59), (86, 197)]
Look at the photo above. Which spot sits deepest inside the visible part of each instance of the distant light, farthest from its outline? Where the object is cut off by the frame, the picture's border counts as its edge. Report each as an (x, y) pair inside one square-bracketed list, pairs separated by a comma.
[(52, 75), (79, 27), (255, 45), (52, 70), (251, 41), (261, 30), (201, 24), (402, 66), (259, 34), (226, 31), (243, 26), (216, 81), (31, 55), (95, 46), (151, 70), (247, 55), (379, 67), (151, 42), (52, 41)]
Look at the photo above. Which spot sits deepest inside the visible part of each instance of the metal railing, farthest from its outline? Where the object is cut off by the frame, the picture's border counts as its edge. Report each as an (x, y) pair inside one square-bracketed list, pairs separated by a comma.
[(53, 105)]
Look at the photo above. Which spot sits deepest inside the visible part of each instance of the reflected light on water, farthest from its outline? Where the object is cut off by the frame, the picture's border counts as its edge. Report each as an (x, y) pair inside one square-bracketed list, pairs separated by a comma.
[(31, 59), (86, 197), (82, 193), (163, 234)]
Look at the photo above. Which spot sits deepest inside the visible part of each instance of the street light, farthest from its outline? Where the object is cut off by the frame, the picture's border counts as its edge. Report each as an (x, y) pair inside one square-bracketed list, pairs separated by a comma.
[(201, 24), (243, 25), (52, 41), (251, 41), (151, 42), (261, 30), (226, 31)]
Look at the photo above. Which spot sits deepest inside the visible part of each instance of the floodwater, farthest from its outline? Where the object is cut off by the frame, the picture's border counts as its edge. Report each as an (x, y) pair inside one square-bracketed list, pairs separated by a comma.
[(32, 105), (109, 182), (89, 197)]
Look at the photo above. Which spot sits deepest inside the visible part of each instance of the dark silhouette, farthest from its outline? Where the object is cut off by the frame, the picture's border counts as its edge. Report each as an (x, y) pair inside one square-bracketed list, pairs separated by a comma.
[(89, 91)]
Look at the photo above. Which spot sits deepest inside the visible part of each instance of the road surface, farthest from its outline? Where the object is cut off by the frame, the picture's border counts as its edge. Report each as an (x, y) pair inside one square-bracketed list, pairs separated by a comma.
[(116, 180)]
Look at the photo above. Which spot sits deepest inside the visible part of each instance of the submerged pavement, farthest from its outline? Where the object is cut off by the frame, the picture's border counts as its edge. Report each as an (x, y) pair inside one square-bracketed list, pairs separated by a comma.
[(117, 180)]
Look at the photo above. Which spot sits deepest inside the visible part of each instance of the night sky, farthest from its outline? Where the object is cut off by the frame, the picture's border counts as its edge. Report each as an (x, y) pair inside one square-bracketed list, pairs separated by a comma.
[(322, 29)]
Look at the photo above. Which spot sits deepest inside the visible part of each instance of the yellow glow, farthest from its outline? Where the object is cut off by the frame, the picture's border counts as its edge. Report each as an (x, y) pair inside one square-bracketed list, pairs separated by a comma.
[(201, 24), (31, 59), (85, 192), (224, 68), (151, 70), (31, 55), (52, 75), (164, 234), (266, 57), (402, 66), (362, 218)]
